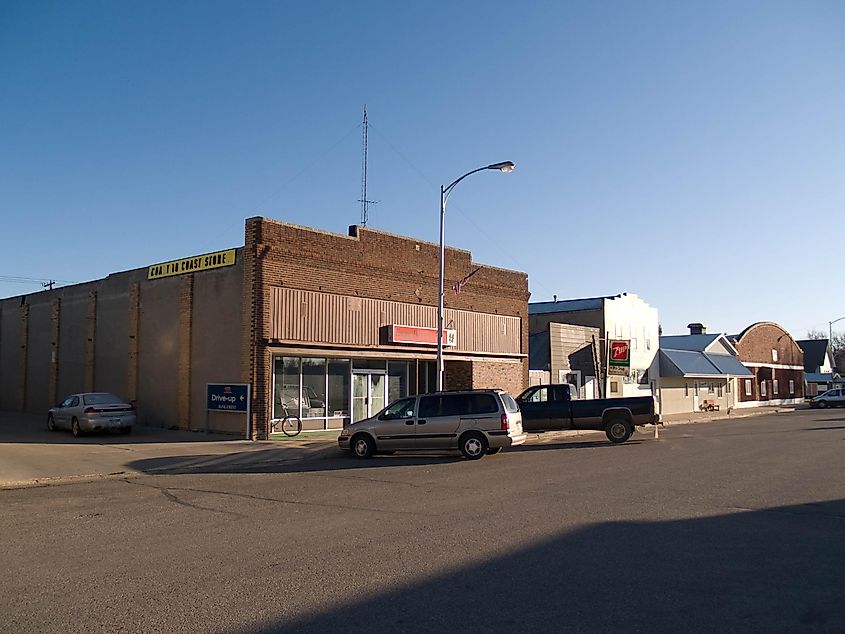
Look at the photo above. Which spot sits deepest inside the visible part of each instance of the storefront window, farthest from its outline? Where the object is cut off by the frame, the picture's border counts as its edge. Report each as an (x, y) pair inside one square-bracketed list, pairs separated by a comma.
[(368, 364), (339, 385), (286, 384), (397, 380), (313, 388)]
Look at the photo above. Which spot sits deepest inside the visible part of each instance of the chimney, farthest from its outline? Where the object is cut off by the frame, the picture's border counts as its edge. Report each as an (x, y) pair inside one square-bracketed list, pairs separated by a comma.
[(697, 328)]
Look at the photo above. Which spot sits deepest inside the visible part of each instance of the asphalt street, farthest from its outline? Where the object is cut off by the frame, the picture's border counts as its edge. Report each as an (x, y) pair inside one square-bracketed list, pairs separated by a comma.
[(730, 526)]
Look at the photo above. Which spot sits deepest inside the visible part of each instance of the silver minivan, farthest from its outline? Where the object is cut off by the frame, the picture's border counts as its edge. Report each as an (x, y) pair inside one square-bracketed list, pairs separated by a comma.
[(476, 422)]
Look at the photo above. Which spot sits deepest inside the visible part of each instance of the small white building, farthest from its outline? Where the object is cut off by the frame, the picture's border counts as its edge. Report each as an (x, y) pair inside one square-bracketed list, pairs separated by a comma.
[(623, 317)]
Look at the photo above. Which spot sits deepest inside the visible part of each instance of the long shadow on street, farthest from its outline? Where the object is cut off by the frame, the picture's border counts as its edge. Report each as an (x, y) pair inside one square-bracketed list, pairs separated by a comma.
[(329, 458), (765, 570)]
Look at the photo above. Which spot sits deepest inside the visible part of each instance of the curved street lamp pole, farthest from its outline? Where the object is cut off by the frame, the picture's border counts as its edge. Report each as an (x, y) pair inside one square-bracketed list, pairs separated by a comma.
[(830, 335), (505, 166)]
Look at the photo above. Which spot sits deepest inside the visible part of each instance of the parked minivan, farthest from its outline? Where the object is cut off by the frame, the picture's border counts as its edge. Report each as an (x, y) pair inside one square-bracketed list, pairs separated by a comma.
[(477, 422)]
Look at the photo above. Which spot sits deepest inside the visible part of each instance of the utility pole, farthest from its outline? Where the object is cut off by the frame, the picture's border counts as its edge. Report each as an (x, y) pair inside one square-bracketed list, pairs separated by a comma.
[(48, 284)]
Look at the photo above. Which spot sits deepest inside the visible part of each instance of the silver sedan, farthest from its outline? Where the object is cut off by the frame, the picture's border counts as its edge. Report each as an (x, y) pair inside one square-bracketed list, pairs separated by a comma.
[(92, 411)]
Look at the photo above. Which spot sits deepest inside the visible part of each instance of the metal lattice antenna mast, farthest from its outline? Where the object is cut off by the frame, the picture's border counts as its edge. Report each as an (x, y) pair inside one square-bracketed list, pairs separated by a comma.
[(365, 204)]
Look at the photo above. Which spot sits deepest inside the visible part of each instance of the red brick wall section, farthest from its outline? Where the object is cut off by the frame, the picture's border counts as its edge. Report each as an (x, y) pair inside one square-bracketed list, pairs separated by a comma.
[(370, 264), (505, 376), (755, 345), (458, 375)]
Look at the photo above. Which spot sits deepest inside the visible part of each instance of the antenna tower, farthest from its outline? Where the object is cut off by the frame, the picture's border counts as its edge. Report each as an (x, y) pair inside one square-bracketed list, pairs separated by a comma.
[(365, 204)]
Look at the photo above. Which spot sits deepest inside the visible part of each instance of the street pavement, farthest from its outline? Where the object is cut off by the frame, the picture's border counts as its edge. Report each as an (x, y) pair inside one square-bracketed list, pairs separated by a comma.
[(734, 526)]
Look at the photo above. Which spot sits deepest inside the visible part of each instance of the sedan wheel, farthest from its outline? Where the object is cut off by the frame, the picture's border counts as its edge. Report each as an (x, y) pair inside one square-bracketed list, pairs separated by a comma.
[(51, 424), (76, 429), (822, 404)]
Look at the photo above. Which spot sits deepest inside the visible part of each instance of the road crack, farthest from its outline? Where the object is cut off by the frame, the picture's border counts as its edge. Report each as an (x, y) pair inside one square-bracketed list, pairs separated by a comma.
[(345, 507)]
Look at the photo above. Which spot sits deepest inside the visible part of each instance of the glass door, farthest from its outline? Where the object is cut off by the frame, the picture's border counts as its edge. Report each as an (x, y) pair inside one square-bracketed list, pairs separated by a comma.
[(369, 392)]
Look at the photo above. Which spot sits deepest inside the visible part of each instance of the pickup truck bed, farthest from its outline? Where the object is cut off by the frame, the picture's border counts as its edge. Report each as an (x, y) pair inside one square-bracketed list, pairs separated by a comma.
[(550, 407)]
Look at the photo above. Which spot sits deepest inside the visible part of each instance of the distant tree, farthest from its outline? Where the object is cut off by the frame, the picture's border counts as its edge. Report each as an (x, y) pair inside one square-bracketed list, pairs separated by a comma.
[(837, 346)]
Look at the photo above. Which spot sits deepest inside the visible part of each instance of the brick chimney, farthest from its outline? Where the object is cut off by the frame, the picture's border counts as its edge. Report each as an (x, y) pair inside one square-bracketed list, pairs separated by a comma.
[(697, 328)]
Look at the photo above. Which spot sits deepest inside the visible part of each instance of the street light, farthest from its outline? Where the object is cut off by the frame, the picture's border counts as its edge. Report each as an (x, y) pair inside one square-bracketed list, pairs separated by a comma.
[(504, 166), (830, 334)]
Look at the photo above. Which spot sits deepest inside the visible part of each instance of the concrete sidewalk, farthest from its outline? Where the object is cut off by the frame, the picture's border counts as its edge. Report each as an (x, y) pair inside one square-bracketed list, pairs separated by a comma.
[(32, 456)]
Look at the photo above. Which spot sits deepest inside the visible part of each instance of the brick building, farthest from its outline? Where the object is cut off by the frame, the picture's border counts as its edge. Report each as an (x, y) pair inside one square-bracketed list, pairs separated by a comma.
[(777, 363), (327, 326)]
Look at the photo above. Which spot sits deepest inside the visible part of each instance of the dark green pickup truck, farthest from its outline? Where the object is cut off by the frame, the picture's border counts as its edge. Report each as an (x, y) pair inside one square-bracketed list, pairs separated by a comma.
[(551, 407)]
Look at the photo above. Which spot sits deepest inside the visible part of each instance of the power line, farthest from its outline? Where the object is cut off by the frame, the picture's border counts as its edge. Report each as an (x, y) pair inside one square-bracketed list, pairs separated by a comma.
[(14, 279)]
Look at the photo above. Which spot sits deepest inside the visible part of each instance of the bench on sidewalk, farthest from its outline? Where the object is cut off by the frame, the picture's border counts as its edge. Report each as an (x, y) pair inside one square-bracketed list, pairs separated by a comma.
[(709, 405)]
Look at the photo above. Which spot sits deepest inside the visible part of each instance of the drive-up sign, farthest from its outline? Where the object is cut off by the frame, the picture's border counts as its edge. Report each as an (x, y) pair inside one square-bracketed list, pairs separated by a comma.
[(228, 397)]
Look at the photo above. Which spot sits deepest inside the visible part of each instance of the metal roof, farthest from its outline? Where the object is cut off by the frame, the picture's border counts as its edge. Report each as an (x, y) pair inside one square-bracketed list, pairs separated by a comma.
[(728, 364), (688, 342), (694, 363), (818, 377)]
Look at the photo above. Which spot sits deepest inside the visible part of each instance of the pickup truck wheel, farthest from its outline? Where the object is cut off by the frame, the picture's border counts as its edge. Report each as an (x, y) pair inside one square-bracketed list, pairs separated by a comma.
[(618, 430)]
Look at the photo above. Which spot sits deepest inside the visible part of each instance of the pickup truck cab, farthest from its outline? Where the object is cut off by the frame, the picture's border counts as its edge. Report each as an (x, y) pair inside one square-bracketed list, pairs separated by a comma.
[(551, 407)]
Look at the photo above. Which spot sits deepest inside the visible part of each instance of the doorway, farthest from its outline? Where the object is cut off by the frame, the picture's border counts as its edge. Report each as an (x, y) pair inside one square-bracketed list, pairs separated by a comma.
[(369, 393)]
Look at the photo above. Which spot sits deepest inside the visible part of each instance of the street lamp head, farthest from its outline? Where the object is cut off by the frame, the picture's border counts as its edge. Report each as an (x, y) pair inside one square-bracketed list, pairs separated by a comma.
[(505, 166)]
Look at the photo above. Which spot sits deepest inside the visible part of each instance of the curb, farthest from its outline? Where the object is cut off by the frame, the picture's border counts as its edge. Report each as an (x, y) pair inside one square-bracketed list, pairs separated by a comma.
[(728, 417)]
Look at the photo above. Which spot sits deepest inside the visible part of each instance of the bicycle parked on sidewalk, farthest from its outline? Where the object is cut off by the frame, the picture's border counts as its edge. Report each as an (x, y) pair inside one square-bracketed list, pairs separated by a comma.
[(290, 425)]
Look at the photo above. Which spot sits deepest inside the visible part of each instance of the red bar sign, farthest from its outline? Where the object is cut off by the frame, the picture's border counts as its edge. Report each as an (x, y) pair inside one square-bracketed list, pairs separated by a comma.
[(420, 336)]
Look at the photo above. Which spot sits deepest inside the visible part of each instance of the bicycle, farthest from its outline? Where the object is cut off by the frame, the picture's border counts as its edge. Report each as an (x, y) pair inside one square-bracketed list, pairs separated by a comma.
[(290, 425)]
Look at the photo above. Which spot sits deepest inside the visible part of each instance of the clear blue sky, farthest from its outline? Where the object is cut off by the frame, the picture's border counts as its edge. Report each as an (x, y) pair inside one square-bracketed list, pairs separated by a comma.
[(692, 153)]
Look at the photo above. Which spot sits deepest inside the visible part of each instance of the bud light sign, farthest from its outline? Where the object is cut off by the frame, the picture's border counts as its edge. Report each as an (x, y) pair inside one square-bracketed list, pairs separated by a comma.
[(228, 397)]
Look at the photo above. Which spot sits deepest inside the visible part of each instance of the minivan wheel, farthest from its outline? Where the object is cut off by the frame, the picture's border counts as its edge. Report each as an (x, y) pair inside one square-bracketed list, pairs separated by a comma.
[(363, 446), (618, 430), (473, 446), (51, 424), (76, 429)]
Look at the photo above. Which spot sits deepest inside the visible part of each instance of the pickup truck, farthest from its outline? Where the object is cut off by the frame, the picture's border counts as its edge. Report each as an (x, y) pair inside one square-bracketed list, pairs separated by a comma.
[(551, 407)]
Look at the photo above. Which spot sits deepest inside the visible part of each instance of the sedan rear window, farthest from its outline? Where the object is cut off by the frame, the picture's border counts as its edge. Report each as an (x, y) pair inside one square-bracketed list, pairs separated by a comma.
[(103, 398)]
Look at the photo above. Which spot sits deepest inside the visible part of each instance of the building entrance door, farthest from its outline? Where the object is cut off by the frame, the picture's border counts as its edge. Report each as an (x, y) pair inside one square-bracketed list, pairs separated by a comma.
[(369, 393)]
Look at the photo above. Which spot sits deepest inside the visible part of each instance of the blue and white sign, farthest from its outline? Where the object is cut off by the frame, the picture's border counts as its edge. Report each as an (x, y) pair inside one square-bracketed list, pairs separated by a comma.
[(228, 397)]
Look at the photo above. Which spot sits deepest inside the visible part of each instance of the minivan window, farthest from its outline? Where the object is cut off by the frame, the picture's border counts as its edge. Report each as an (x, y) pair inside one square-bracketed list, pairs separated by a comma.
[(510, 404), (403, 408), (457, 405)]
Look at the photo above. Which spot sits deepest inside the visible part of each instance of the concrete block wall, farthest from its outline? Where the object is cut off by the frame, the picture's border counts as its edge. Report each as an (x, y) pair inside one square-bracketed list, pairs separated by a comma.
[(148, 341)]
